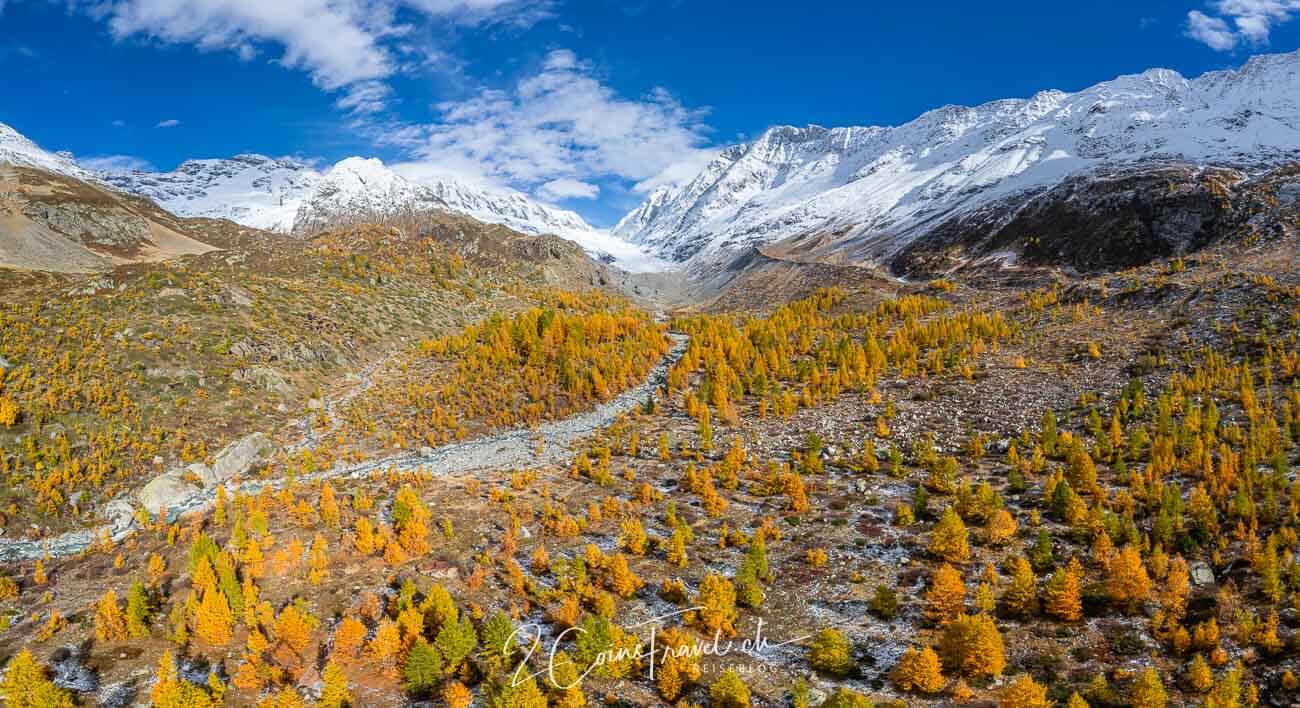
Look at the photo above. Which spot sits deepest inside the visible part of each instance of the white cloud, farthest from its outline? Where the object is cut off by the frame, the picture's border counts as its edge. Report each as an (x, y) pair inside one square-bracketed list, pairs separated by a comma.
[(1239, 22), (365, 97), (341, 44), (119, 123), (169, 123), (567, 188), (561, 123), (330, 40), (117, 164), (521, 13)]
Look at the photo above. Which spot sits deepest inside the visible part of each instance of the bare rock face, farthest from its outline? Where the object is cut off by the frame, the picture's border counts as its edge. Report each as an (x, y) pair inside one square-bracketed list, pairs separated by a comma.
[(165, 492), (108, 229), (1113, 219), (119, 513), (265, 377), (238, 457), (178, 488), (202, 473)]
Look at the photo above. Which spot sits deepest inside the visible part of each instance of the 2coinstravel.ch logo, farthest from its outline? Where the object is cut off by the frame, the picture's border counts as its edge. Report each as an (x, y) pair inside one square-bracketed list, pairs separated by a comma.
[(649, 649)]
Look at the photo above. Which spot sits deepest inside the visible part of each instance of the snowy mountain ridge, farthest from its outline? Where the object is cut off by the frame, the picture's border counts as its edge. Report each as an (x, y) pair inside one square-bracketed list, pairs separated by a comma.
[(866, 193), (16, 149), (291, 196)]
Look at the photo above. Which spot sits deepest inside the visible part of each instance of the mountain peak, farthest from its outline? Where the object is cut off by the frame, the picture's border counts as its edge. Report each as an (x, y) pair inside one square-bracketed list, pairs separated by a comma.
[(875, 190), (17, 149)]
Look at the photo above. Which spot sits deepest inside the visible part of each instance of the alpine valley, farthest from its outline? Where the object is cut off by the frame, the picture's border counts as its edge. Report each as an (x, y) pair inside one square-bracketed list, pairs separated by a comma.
[(997, 407)]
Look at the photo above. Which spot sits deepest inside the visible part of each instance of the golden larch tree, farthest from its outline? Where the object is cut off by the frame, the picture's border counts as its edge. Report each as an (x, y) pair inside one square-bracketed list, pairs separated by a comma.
[(919, 671), (946, 597), (1061, 594), (949, 539)]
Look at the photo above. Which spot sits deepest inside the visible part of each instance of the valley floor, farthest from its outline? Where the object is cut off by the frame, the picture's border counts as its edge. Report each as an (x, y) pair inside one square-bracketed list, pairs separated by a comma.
[(1075, 490)]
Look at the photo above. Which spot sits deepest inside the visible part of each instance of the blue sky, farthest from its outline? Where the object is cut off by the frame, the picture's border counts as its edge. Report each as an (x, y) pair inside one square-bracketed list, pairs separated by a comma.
[(581, 103)]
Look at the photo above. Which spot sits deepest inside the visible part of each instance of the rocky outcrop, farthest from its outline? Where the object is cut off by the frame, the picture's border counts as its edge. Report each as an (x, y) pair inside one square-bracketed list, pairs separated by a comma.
[(239, 457), (1114, 219), (181, 488), (166, 492), (112, 230), (266, 378)]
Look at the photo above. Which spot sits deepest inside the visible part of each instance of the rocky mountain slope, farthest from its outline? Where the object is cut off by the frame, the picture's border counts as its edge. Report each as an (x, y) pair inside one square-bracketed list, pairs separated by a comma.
[(286, 195), (52, 222), (957, 174)]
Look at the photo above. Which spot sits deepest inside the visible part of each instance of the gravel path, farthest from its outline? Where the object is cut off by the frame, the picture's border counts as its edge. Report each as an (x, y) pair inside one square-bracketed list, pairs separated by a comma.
[(516, 448)]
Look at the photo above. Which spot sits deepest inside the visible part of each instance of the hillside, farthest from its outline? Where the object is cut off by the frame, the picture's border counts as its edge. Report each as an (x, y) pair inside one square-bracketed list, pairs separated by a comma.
[(52, 222)]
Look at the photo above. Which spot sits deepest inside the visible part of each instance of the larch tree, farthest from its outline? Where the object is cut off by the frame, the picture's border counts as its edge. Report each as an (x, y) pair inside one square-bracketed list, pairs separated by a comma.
[(349, 636), (729, 691), (26, 685), (677, 548), (329, 506), (1062, 598), (423, 669), (946, 597), (172, 691), (138, 611), (334, 688), (1001, 527), (213, 618), (1149, 690), (919, 670), (972, 646), (1024, 692), (830, 652), (717, 599), (678, 666), (1020, 599), (110, 623), (949, 539), (1127, 582), (622, 580)]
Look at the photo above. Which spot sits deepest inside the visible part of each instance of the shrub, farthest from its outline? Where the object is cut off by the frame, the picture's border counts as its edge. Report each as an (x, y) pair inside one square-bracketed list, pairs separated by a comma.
[(423, 669), (830, 652), (729, 691), (971, 646)]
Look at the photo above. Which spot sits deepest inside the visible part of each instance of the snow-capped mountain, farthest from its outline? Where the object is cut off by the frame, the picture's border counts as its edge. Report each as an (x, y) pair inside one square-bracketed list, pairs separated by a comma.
[(510, 209), (16, 149), (360, 189), (866, 193), (253, 190), (291, 196)]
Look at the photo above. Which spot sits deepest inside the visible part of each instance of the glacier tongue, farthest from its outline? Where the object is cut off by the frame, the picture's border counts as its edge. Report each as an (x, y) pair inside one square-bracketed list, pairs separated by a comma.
[(870, 191)]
